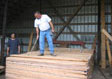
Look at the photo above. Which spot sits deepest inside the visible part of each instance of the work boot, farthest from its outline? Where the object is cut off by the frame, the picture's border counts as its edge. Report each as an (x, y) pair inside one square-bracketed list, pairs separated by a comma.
[(41, 55), (53, 54)]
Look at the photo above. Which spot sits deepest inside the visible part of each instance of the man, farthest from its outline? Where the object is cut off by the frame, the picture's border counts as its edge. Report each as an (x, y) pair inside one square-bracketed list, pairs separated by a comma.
[(13, 45), (45, 26)]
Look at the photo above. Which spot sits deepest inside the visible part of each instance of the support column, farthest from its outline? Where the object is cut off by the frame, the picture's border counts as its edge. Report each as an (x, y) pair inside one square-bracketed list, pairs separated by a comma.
[(99, 33), (103, 52), (4, 30)]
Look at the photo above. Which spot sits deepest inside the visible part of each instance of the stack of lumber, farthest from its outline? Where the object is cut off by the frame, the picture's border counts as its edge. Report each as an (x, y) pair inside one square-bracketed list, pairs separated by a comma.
[(68, 64), (2, 69)]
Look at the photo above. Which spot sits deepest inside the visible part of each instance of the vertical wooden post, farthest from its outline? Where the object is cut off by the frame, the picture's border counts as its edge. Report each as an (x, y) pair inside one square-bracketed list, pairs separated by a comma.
[(99, 33), (5, 18), (30, 41), (103, 52), (4, 28)]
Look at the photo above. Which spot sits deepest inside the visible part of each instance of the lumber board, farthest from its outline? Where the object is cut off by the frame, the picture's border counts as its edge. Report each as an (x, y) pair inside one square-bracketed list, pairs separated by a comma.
[(48, 69), (103, 52), (107, 34), (2, 69), (30, 41), (109, 53), (68, 64)]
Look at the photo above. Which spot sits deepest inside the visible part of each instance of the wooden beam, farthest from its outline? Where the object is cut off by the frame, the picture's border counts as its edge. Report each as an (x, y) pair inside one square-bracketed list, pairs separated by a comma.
[(67, 6), (5, 17), (103, 53), (70, 19), (99, 33), (80, 14), (30, 41), (4, 30), (109, 53), (2, 69), (58, 14), (107, 34), (80, 23)]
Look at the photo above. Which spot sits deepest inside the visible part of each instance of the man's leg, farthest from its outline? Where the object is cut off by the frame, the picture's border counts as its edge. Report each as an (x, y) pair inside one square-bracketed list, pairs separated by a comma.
[(41, 42), (50, 41)]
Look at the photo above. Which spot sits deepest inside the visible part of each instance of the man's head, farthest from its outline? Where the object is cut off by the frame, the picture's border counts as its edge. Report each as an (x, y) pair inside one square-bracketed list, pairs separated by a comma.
[(13, 35), (37, 15)]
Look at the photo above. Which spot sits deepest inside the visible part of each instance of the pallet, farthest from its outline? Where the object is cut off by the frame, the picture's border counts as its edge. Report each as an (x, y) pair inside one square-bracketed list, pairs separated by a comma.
[(68, 64)]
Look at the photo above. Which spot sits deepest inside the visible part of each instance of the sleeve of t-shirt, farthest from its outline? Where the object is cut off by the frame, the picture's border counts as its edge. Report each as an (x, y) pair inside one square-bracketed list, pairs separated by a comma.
[(48, 18), (35, 24)]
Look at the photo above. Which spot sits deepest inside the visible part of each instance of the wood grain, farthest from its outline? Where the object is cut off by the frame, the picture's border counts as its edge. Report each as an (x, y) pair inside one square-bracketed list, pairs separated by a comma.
[(68, 64)]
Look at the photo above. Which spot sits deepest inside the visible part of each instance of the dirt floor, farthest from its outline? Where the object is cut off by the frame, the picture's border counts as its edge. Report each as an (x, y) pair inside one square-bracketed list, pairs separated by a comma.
[(97, 74), (102, 73)]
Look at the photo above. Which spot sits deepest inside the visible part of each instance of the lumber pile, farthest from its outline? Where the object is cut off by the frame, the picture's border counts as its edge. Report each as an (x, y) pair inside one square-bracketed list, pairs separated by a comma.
[(2, 69), (68, 64)]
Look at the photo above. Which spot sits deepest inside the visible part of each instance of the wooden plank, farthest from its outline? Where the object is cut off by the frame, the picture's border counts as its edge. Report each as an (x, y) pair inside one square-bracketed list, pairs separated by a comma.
[(30, 41), (10, 70), (107, 34), (80, 14), (68, 64), (2, 69), (103, 53), (42, 69), (99, 33), (70, 19), (67, 6), (109, 53), (58, 14), (4, 29)]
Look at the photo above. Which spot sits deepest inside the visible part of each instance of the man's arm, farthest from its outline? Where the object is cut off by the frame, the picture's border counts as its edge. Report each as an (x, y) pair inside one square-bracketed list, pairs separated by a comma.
[(37, 31), (8, 51), (52, 26), (19, 49), (8, 47)]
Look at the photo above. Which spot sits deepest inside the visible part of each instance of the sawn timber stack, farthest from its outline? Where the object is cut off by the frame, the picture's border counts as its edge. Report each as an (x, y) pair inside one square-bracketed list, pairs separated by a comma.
[(68, 64)]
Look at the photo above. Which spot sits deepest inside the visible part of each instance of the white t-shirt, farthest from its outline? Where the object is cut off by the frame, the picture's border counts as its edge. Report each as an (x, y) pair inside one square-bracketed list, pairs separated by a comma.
[(43, 22)]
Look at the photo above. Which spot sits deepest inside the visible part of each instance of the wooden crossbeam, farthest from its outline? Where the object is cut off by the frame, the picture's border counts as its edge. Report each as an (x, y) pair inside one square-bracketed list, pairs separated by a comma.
[(109, 53), (59, 15), (70, 19), (107, 34)]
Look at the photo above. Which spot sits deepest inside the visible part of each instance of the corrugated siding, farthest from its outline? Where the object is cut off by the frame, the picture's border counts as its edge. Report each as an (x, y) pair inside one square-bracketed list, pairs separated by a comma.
[(85, 23)]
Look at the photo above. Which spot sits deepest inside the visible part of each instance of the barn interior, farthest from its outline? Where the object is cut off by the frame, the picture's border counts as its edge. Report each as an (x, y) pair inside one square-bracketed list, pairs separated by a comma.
[(79, 25)]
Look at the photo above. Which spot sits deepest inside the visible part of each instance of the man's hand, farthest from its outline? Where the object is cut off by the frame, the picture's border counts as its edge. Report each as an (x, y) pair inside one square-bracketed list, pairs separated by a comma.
[(37, 37), (7, 51), (19, 49), (53, 30), (52, 27)]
